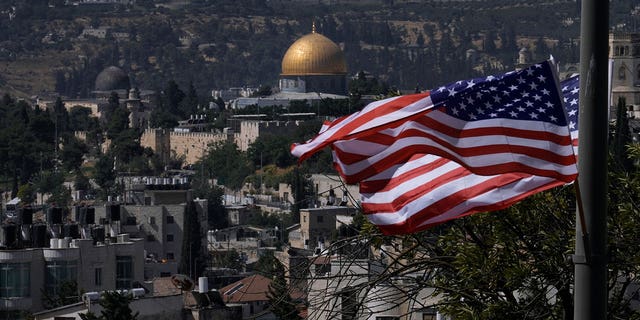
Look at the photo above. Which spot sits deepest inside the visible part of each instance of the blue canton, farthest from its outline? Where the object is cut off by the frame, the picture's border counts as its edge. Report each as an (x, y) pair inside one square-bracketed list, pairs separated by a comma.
[(571, 93), (528, 94)]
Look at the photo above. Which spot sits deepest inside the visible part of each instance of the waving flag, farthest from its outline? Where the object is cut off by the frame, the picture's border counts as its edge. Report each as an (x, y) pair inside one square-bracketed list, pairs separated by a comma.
[(499, 124), (426, 190)]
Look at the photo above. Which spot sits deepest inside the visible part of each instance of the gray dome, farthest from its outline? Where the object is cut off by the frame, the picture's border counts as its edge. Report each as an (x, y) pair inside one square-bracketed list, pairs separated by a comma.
[(112, 78)]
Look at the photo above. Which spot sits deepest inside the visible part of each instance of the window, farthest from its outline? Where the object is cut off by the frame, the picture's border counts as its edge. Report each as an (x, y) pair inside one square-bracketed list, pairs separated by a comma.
[(304, 218), (349, 304), (170, 256), (152, 220), (169, 238), (15, 280), (97, 276), (621, 74), (124, 272), (320, 219), (59, 272), (170, 220), (151, 238)]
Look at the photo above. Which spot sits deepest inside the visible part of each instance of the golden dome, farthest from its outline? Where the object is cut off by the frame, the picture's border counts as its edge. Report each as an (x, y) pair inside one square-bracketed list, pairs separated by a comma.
[(313, 54)]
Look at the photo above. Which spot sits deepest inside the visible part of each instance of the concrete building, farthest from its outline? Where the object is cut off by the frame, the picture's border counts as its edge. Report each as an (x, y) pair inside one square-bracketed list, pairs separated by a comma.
[(318, 226), (94, 265), (250, 242), (341, 289)]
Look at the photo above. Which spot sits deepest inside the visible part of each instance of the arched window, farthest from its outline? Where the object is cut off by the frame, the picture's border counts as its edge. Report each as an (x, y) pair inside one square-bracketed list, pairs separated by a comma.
[(617, 51), (621, 74)]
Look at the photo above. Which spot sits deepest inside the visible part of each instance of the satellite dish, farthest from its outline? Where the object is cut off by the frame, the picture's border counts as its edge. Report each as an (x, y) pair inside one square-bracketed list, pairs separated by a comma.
[(182, 282)]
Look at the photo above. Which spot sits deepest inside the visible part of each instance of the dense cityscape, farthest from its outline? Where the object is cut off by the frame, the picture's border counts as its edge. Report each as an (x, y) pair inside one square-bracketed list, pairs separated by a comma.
[(148, 172)]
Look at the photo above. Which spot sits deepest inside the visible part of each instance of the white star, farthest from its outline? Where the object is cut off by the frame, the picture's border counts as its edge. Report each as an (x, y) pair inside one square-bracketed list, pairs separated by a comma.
[(496, 99), (549, 104), (565, 88), (487, 104), (463, 106), (572, 125), (529, 104), (470, 100), (541, 110), (533, 115), (513, 114), (537, 65), (529, 71), (472, 116), (521, 109), (452, 92), (500, 109), (574, 101), (470, 84), (489, 78), (537, 97), (533, 86), (454, 111), (575, 90), (478, 94), (542, 78), (573, 112), (492, 88), (524, 94), (493, 115), (553, 118), (441, 89), (545, 91), (513, 87)]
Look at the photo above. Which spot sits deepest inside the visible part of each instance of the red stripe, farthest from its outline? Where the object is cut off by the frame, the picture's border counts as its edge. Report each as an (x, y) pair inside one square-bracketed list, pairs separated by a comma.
[(372, 186), (452, 199), (364, 118), (414, 223), (503, 167), (435, 125)]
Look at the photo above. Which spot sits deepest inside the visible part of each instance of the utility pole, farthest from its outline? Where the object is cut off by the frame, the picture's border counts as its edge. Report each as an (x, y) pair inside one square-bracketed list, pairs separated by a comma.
[(590, 259)]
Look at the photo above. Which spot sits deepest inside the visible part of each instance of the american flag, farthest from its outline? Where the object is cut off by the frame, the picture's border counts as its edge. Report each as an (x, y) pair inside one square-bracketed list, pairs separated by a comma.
[(406, 188), (427, 190), (509, 123)]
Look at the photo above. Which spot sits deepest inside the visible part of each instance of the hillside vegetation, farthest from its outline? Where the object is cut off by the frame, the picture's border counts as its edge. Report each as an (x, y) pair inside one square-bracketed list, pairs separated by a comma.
[(218, 44)]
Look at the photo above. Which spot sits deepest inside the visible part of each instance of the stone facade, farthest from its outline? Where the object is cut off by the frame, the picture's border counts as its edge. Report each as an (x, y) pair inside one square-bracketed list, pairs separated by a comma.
[(624, 50), (192, 145)]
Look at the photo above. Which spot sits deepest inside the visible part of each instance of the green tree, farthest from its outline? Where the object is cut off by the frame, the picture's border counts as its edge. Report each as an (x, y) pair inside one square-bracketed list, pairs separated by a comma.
[(621, 138), (72, 153), (80, 118), (191, 262), (26, 193), (227, 163), (281, 303), (105, 175), (115, 307), (66, 293)]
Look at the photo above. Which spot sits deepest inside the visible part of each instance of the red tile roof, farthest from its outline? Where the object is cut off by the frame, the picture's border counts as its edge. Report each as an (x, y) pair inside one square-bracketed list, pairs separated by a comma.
[(253, 288)]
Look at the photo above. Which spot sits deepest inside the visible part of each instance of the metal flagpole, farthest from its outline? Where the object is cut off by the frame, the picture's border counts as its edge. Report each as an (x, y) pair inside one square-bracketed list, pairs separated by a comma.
[(590, 289)]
